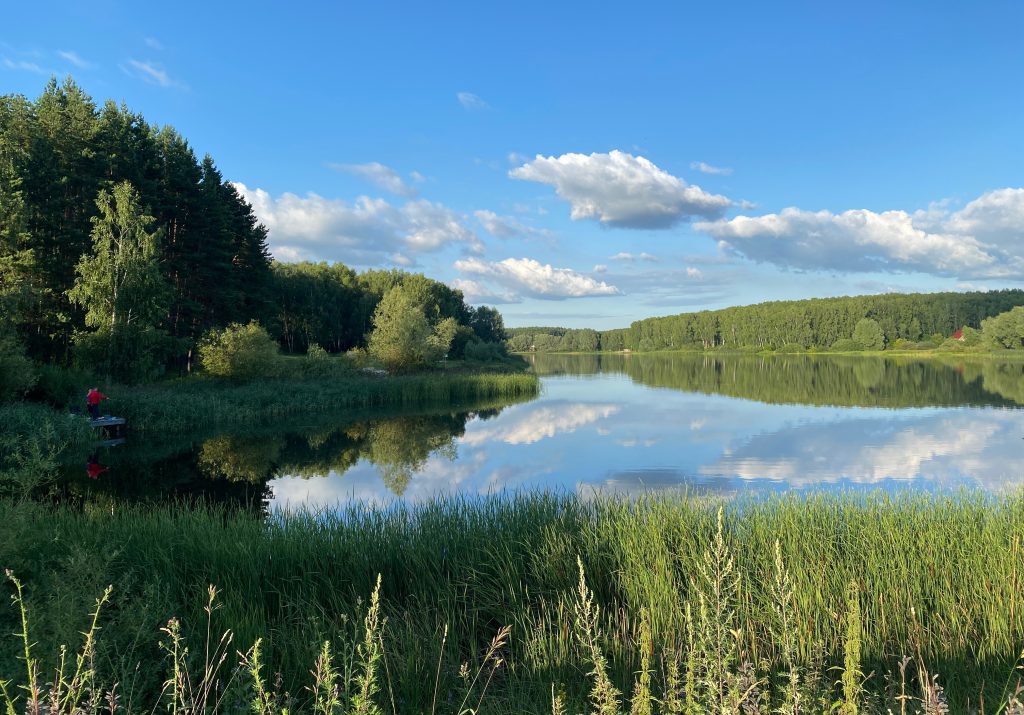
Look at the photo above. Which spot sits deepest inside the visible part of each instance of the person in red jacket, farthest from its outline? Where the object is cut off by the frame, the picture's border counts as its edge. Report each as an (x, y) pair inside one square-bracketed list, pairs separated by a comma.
[(94, 469), (92, 401)]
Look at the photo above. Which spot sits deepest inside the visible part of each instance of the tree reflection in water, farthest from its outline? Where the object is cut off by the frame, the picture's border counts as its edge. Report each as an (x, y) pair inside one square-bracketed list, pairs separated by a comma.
[(236, 467), (811, 379)]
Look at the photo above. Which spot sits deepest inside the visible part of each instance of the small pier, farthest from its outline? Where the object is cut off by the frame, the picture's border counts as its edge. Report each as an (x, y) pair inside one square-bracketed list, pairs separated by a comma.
[(112, 429)]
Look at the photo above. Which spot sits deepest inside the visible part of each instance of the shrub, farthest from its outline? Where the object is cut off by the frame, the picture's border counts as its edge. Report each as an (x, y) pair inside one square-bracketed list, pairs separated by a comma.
[(846, 345), (485, 352), (316, 353), (790, 348), (62, 386), (239, 352), (16, 373), (904, 344)]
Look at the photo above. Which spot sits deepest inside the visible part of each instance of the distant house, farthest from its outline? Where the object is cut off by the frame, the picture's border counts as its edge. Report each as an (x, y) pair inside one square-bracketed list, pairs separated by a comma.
[(958, 335)]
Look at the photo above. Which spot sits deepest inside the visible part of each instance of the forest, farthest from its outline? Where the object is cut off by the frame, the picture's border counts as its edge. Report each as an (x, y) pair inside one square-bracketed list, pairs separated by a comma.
[(848, 324), (121, 248)]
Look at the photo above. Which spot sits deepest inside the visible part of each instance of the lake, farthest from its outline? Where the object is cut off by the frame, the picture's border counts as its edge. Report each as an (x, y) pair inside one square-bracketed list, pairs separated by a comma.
[(617, 423)]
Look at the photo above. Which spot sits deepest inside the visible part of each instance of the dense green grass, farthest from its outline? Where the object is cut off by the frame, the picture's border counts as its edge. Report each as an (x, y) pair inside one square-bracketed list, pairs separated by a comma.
[(196, 403), (187, 404), (934, 577)]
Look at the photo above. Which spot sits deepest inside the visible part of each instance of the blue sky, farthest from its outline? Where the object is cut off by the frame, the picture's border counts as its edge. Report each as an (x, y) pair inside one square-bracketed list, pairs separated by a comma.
[(588, 164)]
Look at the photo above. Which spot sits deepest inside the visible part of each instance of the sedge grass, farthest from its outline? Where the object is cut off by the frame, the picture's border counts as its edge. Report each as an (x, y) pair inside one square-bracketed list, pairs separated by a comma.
[(185, 405), (936, 578)]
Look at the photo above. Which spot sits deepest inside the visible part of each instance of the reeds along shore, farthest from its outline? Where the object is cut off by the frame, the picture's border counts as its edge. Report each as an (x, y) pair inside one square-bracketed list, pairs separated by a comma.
[(832, 600), (183, 405)]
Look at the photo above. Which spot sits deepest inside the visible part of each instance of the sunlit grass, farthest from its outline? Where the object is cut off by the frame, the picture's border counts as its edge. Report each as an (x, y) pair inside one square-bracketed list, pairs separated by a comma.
[(934, 578)]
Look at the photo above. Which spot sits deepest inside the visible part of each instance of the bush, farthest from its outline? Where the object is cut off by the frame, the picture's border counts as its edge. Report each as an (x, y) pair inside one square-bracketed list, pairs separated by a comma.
[(903, 344), (846, 345), (16, 373), (485, 352), (240, 352), (127, 355), (463, 337), (316, 353), (790, 348), (62, 386), (971, 337)]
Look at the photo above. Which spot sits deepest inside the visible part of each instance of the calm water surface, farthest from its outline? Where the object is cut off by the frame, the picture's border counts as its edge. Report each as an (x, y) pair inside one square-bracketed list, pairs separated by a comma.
[(627, 424)]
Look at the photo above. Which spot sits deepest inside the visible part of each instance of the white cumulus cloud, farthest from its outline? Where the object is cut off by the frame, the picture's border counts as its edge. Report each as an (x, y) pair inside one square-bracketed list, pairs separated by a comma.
[(476, 292), (365, 232), (622, 190), (985, 239), (540, 423), (381, 176), (525, 276)]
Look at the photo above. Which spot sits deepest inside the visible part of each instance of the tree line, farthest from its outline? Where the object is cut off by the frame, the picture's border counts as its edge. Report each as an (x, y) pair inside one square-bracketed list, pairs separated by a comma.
[(849, 323), (120, 249)]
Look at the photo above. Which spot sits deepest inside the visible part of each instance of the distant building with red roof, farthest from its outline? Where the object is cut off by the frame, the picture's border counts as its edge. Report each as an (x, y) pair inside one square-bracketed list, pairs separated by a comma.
[(958, 335)]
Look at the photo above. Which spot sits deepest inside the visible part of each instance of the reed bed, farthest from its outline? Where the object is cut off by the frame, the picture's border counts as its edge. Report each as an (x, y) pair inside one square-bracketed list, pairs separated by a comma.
[(871, 579), (185, 405)]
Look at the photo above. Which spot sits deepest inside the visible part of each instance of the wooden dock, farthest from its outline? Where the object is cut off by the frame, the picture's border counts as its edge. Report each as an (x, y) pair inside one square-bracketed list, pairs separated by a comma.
[(112, 428)]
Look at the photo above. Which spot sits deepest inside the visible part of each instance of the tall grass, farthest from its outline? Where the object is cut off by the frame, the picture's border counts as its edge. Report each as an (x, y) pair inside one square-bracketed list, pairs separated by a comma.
[(185, 405), (762, 596), (32, 440)]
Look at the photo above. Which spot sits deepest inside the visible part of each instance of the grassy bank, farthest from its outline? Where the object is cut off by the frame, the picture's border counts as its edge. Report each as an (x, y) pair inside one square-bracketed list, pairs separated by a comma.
[(196, 403), (934, 578)]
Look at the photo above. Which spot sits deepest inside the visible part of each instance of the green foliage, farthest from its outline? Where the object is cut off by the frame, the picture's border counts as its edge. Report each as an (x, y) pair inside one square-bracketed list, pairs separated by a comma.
[(971, 338), (1005, 330), (60, 152), (851, 678), (241, 352), (119, 284), (16, 372), (62, 387), (868, 334), (33, 440), (863, 381), (487, 324), (129, 354), (485, 352), (936, 577), (460, 341), (315, 353), (815, 323), (846, 345), (185, 405), (403, 336), (543, 340)]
